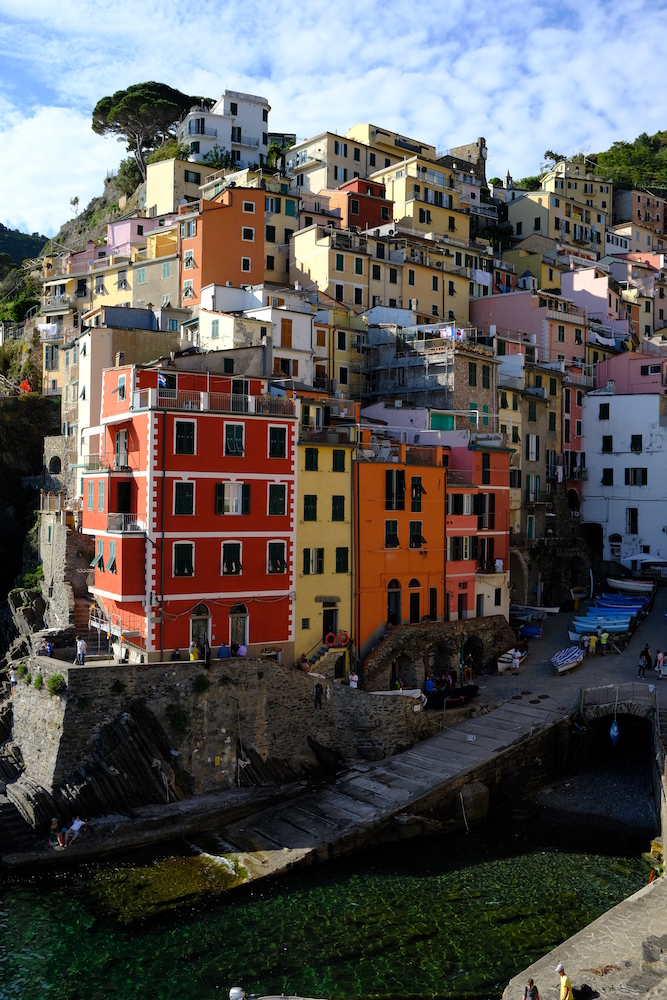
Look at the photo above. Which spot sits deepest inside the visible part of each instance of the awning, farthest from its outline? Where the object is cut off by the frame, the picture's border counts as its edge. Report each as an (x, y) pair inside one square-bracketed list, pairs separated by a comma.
[(327, 600), (89, 431)]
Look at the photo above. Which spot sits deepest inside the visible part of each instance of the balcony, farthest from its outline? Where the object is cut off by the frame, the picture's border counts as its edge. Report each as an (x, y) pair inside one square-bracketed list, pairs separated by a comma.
[(538, 496), (125, 523), (109, 461), (577, 474), (457, 477), (323, 435), (244, 140), (195, 128), (572, 315), (217, 402), (57, 302)]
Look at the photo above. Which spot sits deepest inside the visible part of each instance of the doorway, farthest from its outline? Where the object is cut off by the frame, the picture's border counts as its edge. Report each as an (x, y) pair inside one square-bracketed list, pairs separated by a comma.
[(462, 606), (414, 608), (200, 624), (394, 603), (123, 497), (238, 625), (329, 621), (433, 608), (480, 605)]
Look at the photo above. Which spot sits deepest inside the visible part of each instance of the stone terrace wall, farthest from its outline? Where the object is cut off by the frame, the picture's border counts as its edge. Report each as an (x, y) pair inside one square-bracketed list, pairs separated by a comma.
[(66, 561), (256, 704), (412, 650)]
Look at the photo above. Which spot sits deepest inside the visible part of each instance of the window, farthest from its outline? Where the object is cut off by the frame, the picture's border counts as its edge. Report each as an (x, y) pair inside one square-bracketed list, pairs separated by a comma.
[(183, 559), (607, 444), (532, 411), (578, 428), (552, 421), (416, 538), (486, 383), (311, 459), (486, 469), (111, 561), (384, 212), (416, 494), (338, 508), (91, 494), (310, 507), (245, 263), (340, 262), (233, 439), (184, 498), (425, 216), (192, 177), (313, 562), (233, 108), (100, 495), (393, 276), (277, 442), (636, 477), (189, 259), (276, 558), (342, 375), (248, 234), (577, 336), (215, 329), (371, 159), (98, 561), (391, 534), (607, 477), (497, 600), (451, 227), (636, 442), (358, 296), (231, 558), (532, 448), (290, 210), (270, 262), (354, 206), (567, 431), (339, 293), (647, 306), (166, 269), (604, 411), (631, 519), (394, 489), (387, 161), (561, 334), (286, 333), (342, 560), (99, 284), (277, 499), (376, 272), (141, 276), (519, 228), (232, 498), (472, 373)]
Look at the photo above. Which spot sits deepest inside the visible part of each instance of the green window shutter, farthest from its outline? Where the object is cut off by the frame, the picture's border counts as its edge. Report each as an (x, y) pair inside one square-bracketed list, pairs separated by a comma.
[(245, 498), (306, 562), (342, 560), (184, 498), (276, 499), (338, 461), (320, 561), (219, 498), (310, 507), (338, 508)]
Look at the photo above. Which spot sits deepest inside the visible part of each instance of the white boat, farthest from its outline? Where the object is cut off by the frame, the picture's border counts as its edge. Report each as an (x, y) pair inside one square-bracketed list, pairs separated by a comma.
[(567, 659), (505, 660), (631, 586), (539, 614), (578, 593), (574, 636)]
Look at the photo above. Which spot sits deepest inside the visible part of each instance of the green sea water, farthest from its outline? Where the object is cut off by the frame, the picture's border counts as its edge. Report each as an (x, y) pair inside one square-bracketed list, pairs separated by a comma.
[(444, 917)]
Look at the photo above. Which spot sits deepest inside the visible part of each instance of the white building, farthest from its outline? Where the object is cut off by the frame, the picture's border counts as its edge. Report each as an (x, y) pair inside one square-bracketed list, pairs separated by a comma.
[(237, 123), (624, 440)]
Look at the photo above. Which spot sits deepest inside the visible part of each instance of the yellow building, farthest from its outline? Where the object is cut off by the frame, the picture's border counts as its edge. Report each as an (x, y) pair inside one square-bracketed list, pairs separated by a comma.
[(391, 143), (324, 539), (341, 352), (425, 199), (545, 267), (360, 271), (324, 161), (153, 272), (169, 182)]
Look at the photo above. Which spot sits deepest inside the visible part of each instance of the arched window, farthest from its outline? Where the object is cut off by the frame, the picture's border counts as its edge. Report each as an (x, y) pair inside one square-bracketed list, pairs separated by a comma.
[(55, 465), (414, 583)]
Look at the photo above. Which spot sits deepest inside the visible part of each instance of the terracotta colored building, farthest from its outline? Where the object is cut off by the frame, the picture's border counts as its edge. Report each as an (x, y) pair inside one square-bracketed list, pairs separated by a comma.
[(221, 242), (191, 504), (362, 204)]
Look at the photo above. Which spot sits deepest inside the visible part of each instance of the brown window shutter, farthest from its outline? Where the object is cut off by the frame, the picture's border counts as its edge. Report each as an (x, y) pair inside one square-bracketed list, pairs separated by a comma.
[(286, 333), (295, 368), (276, 366)]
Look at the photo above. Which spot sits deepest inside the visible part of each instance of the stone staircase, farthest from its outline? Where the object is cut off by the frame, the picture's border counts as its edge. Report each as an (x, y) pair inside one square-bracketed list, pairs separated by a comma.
[(81, 617)]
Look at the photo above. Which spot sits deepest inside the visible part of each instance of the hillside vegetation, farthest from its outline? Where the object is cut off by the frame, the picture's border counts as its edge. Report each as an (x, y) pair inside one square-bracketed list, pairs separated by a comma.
[(642, 163), (20, 246)]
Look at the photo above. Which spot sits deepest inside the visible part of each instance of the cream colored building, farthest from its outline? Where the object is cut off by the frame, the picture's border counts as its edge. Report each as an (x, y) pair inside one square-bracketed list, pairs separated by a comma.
[(426, 199), (327, 160), (171, 182)]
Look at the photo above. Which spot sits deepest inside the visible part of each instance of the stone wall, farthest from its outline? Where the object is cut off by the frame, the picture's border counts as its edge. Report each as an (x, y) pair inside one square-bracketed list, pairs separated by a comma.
[(552, 564), (62, 448), (66, 557), (410, 651), (253, 710)]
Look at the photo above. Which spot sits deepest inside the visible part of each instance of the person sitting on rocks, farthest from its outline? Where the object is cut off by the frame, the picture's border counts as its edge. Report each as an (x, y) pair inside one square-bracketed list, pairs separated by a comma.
[(223, 651), (75, 829), (242, 650), (56, 836)]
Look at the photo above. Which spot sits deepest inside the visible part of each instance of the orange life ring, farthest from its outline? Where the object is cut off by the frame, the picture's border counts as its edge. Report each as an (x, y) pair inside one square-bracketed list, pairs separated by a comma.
[(343, 638), (48, 302), (330, 639)]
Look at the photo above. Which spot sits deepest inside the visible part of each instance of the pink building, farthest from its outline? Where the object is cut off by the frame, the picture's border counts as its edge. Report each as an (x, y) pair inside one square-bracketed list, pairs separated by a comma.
[(128, 233), (595, 290), (542, 326), (632, 372)]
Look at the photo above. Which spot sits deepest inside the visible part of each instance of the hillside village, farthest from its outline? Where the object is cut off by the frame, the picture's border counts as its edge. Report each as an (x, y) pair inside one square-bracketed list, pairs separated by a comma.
[(365, 363)]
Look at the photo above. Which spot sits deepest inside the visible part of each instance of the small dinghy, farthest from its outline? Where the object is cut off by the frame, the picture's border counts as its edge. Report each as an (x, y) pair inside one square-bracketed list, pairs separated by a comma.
[(505, 660), (567, 659)]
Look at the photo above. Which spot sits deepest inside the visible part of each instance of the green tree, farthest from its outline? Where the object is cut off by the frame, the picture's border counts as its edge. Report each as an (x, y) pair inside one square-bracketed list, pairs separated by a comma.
[(74, 202), (217, 158), (172, 150), (144, 115), (533, 183), (273, 152), (128, 178), (553, 157)]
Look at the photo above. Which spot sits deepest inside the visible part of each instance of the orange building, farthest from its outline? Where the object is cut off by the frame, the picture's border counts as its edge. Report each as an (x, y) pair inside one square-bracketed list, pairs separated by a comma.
[(400, 497), (222, 242)]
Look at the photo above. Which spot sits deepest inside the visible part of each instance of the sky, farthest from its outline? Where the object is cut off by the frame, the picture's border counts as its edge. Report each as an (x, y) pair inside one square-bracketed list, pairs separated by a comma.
[(528, 76)]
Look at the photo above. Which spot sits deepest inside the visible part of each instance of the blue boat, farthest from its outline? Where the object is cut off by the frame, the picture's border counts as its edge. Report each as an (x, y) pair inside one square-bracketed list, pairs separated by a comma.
[(581, 627)]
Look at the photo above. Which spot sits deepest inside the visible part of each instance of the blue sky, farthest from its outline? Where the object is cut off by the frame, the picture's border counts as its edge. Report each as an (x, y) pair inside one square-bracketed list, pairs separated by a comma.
[(529, 76)]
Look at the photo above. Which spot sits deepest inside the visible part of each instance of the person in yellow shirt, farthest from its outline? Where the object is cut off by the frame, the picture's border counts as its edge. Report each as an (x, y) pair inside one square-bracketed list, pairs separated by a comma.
[(591, 652), (565, 984)]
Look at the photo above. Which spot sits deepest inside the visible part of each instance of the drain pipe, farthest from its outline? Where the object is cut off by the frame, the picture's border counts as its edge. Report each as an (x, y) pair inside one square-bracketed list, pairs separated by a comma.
[(463, 810)]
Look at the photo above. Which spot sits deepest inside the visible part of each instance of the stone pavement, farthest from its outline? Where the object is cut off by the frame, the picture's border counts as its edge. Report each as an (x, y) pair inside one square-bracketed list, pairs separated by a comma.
[(538, 673), (621, 954), (350, 812)]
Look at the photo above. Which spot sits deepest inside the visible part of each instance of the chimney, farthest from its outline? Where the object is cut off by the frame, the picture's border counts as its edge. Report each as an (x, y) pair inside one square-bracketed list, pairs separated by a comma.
[(120, 358)]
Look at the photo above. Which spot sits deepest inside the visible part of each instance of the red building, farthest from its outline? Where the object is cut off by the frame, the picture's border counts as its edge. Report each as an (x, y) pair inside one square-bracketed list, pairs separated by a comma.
[(478, 519), (191, 504), (362, 204)]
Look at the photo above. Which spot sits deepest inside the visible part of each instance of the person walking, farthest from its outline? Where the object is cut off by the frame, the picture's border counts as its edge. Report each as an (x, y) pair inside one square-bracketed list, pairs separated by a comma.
[(12, 680), (641, 670), (530, 992), (565, 984), (659, 660), (353, 678), (81, 647), (592, 644), (604, 638)]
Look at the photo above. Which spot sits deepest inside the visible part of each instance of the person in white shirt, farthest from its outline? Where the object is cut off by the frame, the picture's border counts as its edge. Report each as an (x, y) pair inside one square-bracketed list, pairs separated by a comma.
[(74, 830), (354, 679), (81, 647), (12, 680)]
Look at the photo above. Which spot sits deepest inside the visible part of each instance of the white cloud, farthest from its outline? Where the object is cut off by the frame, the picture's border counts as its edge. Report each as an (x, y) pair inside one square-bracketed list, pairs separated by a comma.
[(528, 77)]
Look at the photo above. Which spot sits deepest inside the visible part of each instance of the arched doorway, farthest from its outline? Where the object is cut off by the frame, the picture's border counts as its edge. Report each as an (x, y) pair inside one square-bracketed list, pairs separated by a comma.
[(55, 465), (573, 500), (415, 587), (200, 624), (394, 602), (238, 625)]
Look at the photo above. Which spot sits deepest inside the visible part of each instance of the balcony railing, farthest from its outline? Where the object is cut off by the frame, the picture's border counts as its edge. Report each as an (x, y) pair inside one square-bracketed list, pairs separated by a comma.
[(317, 435), (218, 402), (125, 523), (57, 301), (538, 496), (113, 461), (577, 474), (245, 140), (195, 128)]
